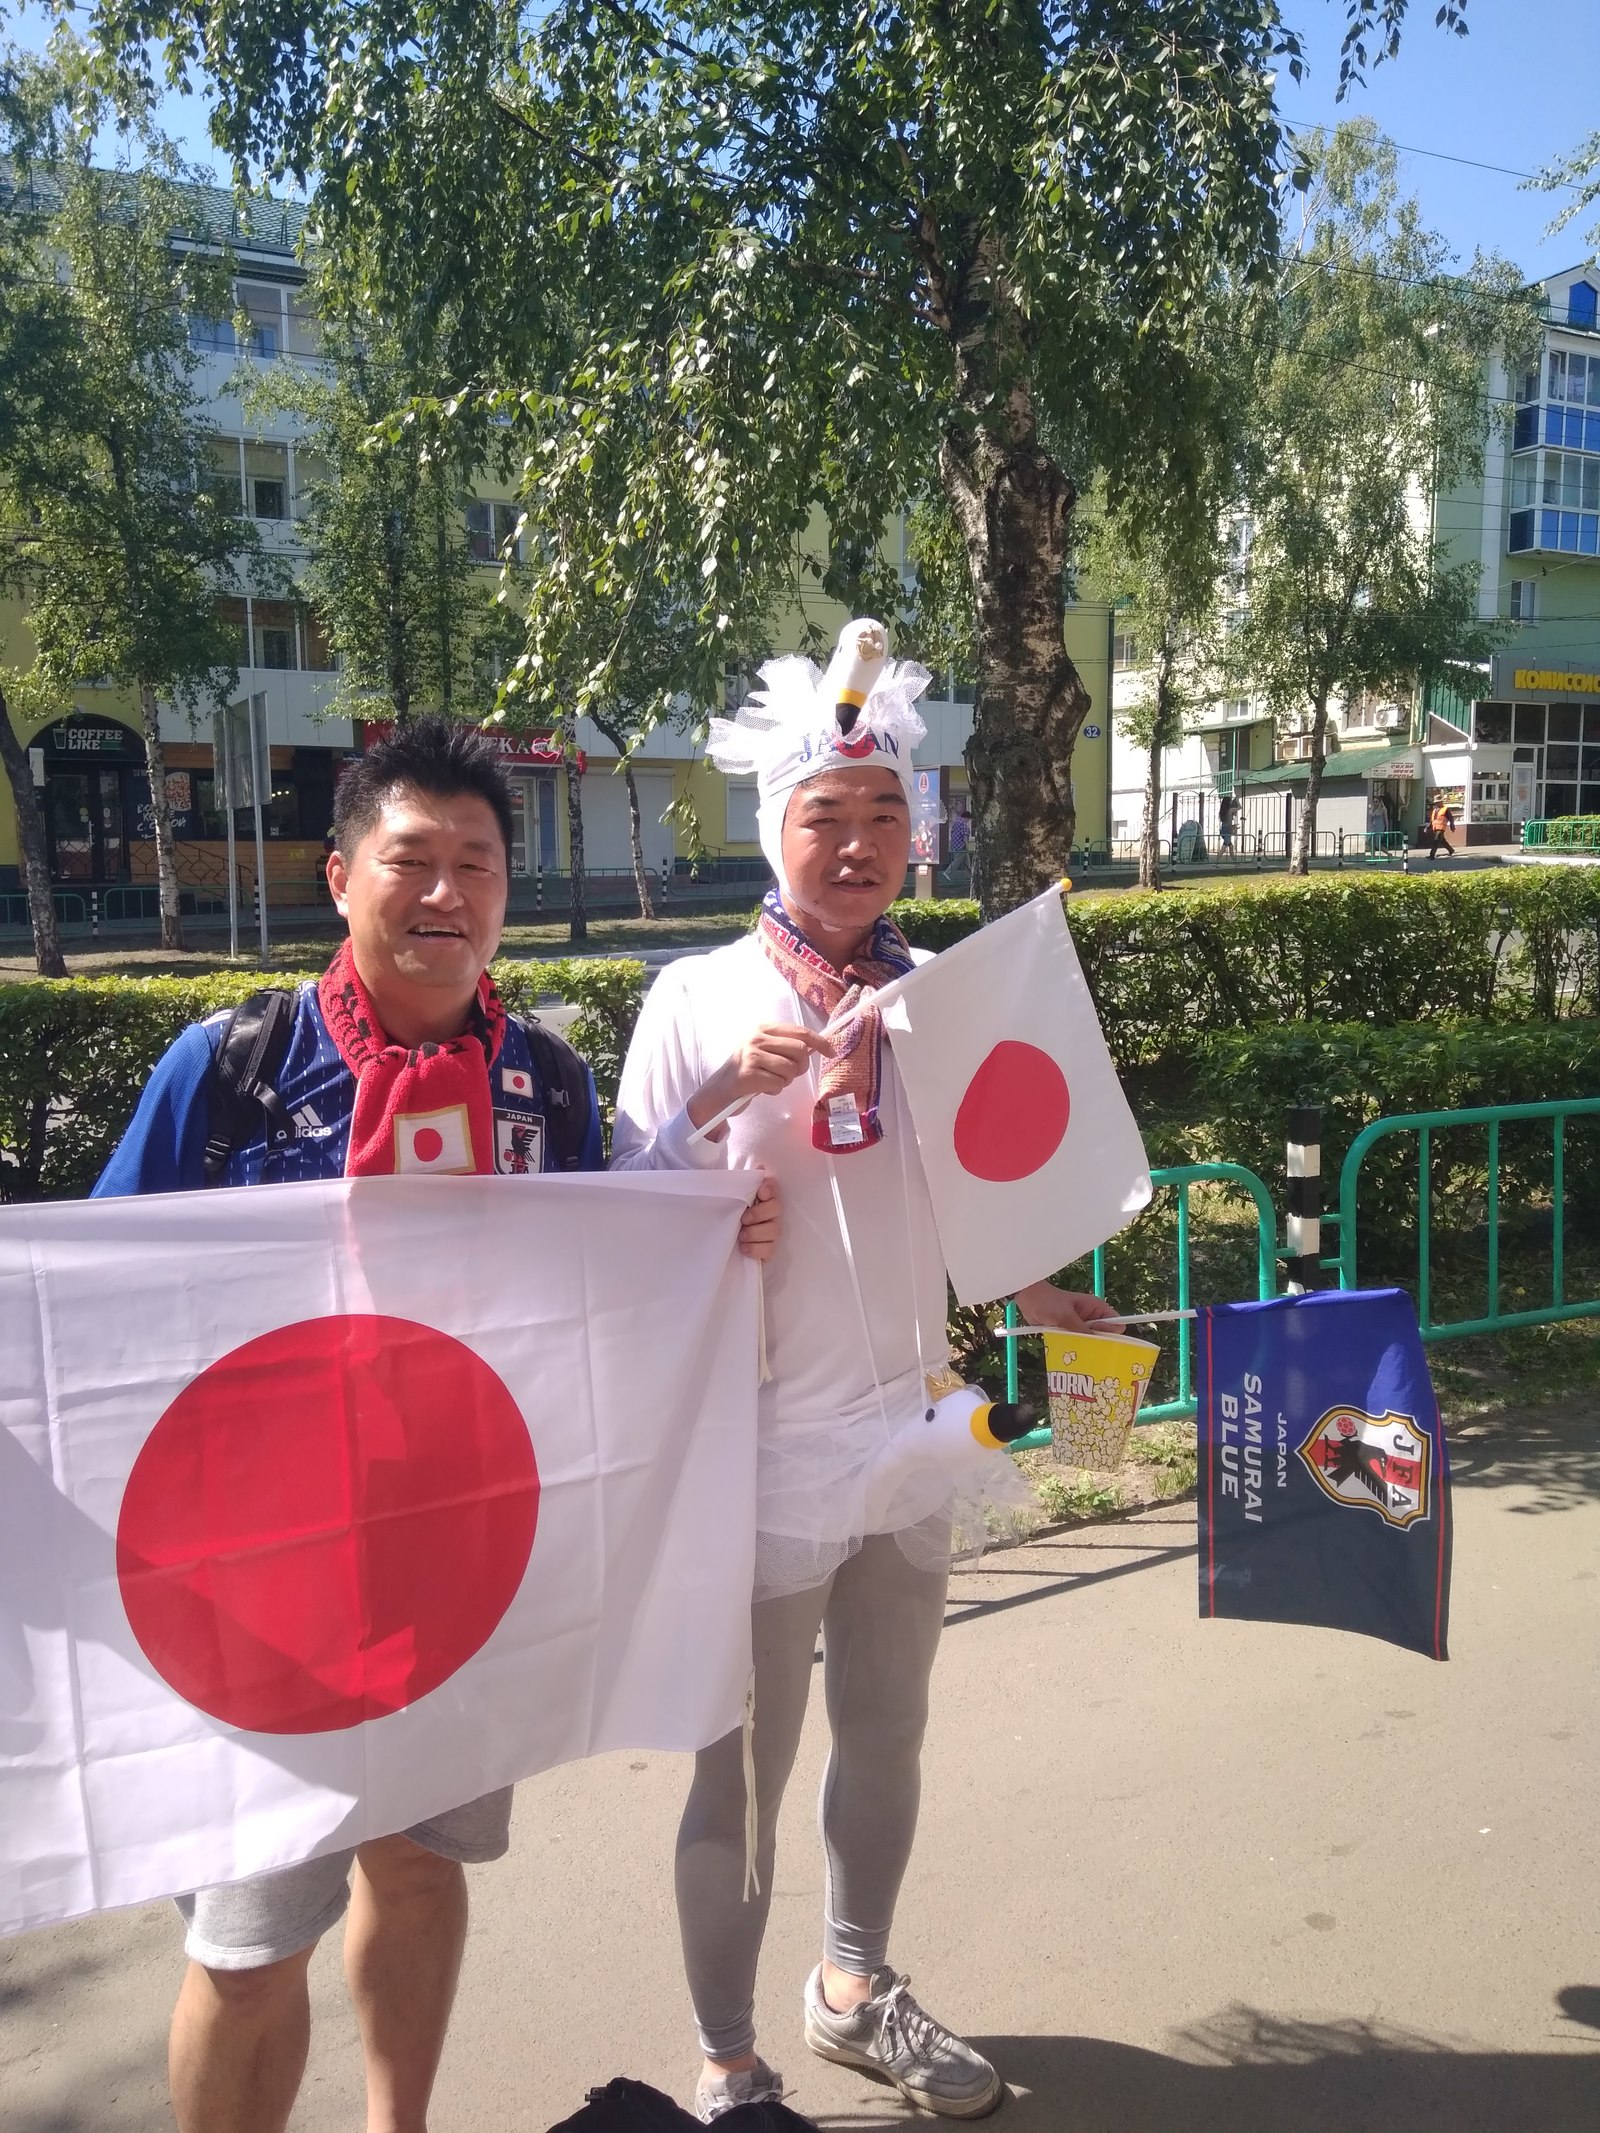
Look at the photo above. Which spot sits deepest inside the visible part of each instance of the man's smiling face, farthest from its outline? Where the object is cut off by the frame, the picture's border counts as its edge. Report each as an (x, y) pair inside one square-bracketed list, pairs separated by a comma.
[(846, 846), (424, 893)]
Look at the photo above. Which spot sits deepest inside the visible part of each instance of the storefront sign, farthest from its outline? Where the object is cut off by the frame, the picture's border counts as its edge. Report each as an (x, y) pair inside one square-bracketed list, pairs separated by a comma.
[(514, 749), (1543, 681), (102, 741), (926, 812), (1396, 766)]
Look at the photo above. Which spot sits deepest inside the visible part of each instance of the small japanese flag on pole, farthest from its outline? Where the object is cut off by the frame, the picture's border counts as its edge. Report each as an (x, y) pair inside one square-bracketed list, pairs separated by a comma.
[(326, 1507), (1031, 1153)]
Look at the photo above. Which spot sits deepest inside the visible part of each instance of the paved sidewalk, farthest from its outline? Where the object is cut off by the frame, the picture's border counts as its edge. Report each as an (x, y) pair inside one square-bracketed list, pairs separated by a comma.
[(1178, 1878)]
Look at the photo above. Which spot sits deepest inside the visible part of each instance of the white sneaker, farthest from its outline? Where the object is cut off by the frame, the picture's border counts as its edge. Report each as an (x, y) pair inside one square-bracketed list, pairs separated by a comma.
[(891, 2037), (717, 2093)]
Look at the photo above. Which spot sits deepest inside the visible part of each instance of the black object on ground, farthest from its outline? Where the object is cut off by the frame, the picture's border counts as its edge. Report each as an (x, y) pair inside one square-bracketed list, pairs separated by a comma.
[(625, 2106)]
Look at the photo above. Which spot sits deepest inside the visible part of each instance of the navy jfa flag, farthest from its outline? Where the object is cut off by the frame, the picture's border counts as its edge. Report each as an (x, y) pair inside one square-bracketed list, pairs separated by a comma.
[(1324, 1476)]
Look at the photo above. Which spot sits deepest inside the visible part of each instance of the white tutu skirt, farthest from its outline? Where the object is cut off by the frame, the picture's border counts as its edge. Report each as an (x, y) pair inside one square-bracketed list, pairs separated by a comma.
[(812, 1491)]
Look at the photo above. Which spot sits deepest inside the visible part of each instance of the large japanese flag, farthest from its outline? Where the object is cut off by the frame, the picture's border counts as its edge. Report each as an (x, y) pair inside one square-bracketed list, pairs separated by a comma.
[(1031, 1153), (326, 1507)]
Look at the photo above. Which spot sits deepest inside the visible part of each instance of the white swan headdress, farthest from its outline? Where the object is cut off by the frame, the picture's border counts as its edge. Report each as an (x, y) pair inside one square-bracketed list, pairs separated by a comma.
[(802, 722)]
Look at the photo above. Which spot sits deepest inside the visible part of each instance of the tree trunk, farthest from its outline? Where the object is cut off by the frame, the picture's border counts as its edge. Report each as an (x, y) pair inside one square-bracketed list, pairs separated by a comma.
[(161, 816), (1013, 504), (641, 877), (396, 621), (35, 859), (1150, 828), (578, 930), (1305, 843)]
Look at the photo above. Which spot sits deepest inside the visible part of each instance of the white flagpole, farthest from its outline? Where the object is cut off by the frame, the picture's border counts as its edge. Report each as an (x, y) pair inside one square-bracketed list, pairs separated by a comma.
[(1142, 1318)]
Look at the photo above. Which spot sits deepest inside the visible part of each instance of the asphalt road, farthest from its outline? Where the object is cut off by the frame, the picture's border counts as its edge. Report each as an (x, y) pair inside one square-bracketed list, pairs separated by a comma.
[(1175, 1877)]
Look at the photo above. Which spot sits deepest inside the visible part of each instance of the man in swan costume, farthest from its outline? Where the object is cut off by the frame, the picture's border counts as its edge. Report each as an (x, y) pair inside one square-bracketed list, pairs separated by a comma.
[(730, 1065)]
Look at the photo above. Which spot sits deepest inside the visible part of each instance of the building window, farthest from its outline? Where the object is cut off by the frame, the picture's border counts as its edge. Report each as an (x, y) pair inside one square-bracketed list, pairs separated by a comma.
[(1574, 378), (1124, 651), (491, 532), (1527, 387), (1581, 301), (1525, 429), (1520, 538), (1524, 599), (232, 613), (304, 331), (1524, 480), (221, 474), (1491, 724), (1572, 427), (275, 635), (266, 480), (741, 816), (1570, 532), (263, 309), (212, 336), (1572, 479), (319, 658)]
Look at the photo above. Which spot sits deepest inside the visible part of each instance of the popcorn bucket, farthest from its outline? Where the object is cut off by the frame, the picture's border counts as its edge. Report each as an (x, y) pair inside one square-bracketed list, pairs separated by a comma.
[(1096, 1382)]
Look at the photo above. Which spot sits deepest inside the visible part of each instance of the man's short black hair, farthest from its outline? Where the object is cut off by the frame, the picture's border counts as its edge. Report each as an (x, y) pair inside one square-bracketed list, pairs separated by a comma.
[(439, 756)]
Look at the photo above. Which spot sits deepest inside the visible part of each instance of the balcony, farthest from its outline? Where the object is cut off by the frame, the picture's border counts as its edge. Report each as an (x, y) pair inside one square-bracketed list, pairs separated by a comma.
[(1544, 529)]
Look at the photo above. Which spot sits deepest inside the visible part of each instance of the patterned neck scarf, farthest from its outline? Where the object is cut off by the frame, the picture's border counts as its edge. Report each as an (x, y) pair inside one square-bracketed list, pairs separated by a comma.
[(845, 1117), (415, 1111)]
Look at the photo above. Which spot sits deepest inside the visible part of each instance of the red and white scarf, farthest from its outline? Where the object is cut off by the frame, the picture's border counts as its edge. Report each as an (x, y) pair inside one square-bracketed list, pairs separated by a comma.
[(845, 1116), (415, 1111)]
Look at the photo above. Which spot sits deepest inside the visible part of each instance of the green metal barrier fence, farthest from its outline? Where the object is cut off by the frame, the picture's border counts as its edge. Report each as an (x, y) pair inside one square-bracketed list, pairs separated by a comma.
[(1562, 833), (1180, 1180), (1425, 1124)]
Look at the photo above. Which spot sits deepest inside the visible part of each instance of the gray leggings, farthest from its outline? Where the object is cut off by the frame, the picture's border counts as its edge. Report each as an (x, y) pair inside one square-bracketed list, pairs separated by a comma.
[(880, 1619)]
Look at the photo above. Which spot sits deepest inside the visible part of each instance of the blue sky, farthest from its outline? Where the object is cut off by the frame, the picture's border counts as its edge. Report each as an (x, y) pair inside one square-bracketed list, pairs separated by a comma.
[(1519, 91)]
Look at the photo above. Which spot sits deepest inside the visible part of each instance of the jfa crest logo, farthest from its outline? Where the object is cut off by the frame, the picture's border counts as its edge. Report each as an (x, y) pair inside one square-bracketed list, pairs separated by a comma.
[(1376, 1462), (518, 1145)]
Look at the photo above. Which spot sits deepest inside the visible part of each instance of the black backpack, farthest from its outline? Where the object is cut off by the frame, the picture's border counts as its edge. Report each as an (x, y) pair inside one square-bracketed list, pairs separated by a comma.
[(624, 2106), (255, 1041)]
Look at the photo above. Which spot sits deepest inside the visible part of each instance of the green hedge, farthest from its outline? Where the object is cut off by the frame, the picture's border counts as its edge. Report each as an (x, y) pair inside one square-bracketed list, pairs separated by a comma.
[(75, 1053), (1177, 978), (1513, 943), (930, 923), (1246, 1082)]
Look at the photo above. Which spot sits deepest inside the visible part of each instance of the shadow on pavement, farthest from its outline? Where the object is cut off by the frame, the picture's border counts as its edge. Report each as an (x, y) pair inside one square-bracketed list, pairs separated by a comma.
[(1554, 1454), (1248, 2072), (964, 1610)]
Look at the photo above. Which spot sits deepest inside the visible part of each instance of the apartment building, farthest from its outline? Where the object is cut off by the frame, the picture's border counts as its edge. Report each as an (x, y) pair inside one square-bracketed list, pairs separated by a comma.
[(90, 767), (1526, 744)]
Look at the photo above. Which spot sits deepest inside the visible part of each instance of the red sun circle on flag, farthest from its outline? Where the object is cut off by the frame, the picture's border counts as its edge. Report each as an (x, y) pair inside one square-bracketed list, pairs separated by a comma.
[(327, 1523), (1014, 1114), (427, 1144)]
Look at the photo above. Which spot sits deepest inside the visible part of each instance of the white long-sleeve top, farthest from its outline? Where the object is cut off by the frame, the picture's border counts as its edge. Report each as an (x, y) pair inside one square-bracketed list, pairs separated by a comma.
[(855, 1309)]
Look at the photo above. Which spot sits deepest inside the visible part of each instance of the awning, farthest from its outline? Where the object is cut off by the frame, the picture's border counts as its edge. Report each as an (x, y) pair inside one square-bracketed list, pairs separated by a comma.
[(1369, 764)]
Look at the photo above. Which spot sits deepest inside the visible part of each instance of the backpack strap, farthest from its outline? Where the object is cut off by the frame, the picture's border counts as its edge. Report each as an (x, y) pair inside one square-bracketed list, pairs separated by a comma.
[(564, 1080), (244, 1076)]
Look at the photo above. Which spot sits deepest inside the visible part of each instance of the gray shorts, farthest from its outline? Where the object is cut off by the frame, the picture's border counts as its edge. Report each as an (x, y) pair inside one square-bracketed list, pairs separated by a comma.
[(247, 1924)]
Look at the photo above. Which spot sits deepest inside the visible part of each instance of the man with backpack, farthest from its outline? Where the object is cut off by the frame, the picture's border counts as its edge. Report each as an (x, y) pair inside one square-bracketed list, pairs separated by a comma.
[(400, 1058)]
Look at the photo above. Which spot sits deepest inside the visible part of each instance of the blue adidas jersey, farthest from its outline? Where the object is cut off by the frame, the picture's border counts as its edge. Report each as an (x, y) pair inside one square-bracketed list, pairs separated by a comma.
[(164, 1147)]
